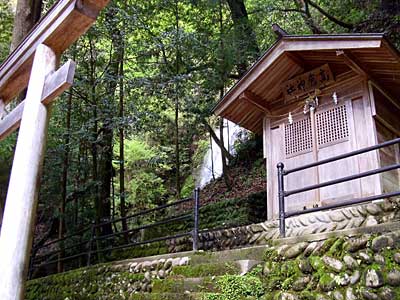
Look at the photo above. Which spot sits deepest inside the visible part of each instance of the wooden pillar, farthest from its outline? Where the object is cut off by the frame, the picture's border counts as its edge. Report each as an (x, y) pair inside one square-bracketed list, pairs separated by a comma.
[(2, 109), (21, 202), (317, 200)]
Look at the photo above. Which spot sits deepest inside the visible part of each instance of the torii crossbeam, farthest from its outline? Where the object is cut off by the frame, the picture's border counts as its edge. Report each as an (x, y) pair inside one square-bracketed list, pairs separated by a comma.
[(33, 65)]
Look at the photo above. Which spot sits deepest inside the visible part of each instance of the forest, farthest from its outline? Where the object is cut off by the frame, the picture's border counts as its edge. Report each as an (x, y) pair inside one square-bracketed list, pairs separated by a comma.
[(132, 132)]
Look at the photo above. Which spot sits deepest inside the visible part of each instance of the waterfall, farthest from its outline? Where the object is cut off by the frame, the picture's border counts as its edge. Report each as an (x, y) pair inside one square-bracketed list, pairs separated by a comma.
[(212, 158)]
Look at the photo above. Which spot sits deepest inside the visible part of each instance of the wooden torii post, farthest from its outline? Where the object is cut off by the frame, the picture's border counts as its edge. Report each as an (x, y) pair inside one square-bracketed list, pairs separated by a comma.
[(33, 65)]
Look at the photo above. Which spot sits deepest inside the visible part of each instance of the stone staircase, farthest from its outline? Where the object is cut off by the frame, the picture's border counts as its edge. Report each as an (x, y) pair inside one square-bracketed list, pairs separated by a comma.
[(195, 276), (198, 275)]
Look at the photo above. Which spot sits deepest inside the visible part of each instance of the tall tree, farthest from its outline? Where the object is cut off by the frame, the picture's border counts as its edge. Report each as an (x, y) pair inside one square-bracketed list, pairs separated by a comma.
[(245, 37), (27, 13), (176, 105), (105, 167)]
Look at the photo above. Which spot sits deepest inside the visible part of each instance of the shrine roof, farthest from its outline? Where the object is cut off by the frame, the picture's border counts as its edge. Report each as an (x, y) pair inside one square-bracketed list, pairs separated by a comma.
[(369, 55)]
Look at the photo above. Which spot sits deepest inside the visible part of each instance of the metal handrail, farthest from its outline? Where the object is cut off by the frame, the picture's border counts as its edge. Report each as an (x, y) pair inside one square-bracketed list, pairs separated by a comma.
[(342, 156), (282, 193), (94, 239)]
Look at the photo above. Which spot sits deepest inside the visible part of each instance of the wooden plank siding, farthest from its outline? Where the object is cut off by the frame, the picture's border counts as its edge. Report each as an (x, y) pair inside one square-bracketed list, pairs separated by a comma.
[(387, 127), (352, 91)]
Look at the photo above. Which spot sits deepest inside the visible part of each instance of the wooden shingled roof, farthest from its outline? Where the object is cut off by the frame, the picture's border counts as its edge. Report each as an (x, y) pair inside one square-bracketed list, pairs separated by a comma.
[(368, 55)]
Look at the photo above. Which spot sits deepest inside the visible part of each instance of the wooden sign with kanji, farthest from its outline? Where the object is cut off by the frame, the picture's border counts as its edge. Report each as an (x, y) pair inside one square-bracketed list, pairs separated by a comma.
[(307, 82)]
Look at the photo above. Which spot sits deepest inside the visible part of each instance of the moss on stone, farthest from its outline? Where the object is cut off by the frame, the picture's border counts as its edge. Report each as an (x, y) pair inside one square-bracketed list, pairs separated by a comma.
[(203, 270), (139, 251), (316, 263), (271, 255), (326, 246), (278, 278), (337, 249), (307, 295), (326, 282), (89, 284)]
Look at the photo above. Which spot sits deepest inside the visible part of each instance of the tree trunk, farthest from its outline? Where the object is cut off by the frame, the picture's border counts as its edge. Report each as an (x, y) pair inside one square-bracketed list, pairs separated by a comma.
[(105, 168), (225, 172), (246, 42), (121, 152), (26, 16), (177, 146), (64, 180), (218, 141), (307, 17)]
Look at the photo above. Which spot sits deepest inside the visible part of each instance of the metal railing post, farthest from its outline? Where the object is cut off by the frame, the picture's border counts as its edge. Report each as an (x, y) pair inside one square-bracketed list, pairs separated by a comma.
[(195, 233), (31, 264), (92, 233), (281, 195)]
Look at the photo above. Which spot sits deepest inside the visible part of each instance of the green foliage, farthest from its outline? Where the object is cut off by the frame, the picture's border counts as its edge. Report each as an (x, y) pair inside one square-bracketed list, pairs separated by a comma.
[(144, 165), (227, 213), (7, 148), (90, 284), (188, 187), (235, 287), (145, 189), (234, 212), (6, 23)]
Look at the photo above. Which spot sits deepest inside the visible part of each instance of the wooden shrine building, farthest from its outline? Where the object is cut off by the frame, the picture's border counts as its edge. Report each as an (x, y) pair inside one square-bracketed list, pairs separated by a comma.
[(317, 96)]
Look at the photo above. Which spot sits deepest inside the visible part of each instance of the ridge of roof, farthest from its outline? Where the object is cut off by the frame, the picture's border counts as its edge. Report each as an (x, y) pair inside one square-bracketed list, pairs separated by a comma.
[(342, 36)]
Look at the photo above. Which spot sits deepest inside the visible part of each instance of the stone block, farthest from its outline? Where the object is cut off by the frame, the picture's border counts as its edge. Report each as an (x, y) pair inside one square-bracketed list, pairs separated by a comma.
[(373, 278)]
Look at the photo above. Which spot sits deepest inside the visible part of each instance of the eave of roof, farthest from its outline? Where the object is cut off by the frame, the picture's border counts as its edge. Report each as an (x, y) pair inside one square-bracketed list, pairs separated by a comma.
[(296, 43)]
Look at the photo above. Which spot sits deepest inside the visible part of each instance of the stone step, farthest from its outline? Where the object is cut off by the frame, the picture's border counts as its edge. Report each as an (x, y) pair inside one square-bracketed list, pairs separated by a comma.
[(207, 269), (249, 253), (179, 284), (180, 296), (167, 296)]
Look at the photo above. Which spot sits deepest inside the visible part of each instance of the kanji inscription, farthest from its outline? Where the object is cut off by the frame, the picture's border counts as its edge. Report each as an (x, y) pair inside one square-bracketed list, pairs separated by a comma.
[(307, 82)]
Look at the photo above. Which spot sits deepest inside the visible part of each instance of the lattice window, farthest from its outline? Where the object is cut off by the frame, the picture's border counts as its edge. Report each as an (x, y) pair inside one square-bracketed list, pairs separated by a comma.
[(332, 126), (298, 137)]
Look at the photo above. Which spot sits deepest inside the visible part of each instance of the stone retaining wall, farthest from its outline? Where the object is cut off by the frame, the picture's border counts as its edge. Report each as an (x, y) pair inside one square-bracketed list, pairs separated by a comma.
[(103, 282), (319, 222), (366, 267)]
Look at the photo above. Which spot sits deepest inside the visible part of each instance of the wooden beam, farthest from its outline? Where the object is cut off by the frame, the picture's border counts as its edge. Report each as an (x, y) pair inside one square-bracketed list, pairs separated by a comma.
[(2, 109), (357, 67), (59, 28), (58, 82), (21, 203), (11, 122), (296, 59), (353, 64), (296, 43), (254, 100), (55, 84), (278, 30), (386, 94)]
